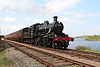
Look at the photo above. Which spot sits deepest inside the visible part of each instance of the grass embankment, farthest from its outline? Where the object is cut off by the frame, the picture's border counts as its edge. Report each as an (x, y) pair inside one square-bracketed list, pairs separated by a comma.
[(4, 62), (84, 48), (90, 37)]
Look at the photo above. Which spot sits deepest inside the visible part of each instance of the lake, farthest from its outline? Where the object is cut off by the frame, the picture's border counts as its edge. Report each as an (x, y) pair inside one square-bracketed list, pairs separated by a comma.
[(82, 42)]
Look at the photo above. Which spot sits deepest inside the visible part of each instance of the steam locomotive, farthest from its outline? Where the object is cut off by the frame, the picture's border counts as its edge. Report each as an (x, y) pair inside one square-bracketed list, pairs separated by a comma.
[(43, 34)]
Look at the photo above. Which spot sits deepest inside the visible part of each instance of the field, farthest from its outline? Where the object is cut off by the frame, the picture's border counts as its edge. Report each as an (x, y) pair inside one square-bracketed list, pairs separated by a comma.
[(90, 37)]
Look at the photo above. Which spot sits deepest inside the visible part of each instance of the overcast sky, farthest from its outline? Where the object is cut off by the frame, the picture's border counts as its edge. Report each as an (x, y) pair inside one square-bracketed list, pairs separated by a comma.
[(80, 17)]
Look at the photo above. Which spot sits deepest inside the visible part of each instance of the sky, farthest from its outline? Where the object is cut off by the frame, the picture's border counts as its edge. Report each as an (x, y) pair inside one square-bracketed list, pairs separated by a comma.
[(80, 17)]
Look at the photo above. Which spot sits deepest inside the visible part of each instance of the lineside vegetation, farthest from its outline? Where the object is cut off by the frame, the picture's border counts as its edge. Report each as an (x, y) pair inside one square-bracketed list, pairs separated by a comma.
[(85, 48)]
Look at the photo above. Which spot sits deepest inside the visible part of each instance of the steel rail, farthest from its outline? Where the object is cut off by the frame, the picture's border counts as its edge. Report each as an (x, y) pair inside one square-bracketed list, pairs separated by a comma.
[(90, 55), (57, 56), (34, 57)]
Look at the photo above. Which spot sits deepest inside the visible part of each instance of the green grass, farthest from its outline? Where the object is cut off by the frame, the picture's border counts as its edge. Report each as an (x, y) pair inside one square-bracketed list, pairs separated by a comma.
[(4, 62), (85, 48), (92, 51)]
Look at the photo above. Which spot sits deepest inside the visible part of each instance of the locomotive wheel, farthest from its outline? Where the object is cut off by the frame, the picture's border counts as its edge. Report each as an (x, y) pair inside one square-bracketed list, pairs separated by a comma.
[(39, 43), (66, 45), (65, 48), (54, 45)]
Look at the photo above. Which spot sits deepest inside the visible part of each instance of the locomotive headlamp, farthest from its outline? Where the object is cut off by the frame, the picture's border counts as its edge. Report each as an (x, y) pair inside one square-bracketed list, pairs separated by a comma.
[(55, 35)]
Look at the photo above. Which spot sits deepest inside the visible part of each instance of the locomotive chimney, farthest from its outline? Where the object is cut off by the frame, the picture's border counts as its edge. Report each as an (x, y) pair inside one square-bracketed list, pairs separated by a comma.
[(55, 18)]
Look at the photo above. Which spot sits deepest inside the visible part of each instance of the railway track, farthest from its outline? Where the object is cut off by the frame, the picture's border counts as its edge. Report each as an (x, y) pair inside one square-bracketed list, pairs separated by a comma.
[(48, 59), (51, 59), (78, 53)]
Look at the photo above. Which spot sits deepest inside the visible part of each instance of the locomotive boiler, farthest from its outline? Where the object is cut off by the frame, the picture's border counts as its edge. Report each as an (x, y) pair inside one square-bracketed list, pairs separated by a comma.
[(44, 34)]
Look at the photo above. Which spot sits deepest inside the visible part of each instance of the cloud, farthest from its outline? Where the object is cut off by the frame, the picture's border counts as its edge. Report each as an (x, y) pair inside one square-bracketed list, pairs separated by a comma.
[(9, 19), (34, 8), (63, 19), (16, 5), (92, 31), (80, 14), (27, 19), (58, 6), (79, 21), (96, 28), (93, 15), (10, 28), (33, 20)]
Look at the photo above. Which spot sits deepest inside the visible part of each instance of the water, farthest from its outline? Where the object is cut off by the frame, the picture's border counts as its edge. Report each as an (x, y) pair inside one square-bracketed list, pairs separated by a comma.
[(82, 42)]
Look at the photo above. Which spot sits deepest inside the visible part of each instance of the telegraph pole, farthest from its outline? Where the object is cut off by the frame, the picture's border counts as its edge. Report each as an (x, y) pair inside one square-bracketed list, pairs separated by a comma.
[(0, 30), (1, 36)]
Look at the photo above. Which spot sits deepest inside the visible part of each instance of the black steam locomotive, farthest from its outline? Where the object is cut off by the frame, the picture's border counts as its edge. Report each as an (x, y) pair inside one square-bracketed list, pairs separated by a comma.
[(43, 34)]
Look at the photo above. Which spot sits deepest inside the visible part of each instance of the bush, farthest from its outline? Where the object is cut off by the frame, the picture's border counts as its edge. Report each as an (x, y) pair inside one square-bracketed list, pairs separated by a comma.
[(82, 48)]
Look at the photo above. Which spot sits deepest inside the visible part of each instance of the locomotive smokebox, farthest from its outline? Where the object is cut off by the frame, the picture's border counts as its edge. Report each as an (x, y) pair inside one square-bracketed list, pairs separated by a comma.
[(55, 18)]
